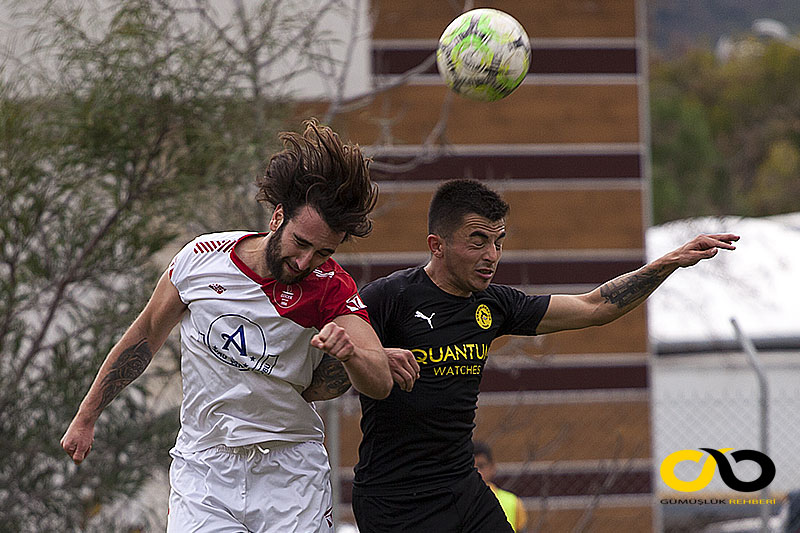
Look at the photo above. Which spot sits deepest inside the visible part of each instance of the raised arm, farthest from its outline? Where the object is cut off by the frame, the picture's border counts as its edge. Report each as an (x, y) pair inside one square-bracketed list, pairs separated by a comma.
[(352, 341), (125, 362), (622, 294)]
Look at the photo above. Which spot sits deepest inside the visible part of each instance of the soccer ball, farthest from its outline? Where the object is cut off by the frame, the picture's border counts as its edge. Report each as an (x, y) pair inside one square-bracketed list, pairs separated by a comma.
[(484, 54)]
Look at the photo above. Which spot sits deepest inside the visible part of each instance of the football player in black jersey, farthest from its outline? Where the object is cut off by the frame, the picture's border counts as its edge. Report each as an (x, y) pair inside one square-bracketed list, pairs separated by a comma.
[(416, 469)]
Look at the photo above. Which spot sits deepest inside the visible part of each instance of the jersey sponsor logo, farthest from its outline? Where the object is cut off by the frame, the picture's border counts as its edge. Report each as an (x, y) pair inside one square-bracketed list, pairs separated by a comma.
[(458, 370), (354, 303), (320, 274), (216, 287), (465, 359), (286, 296), (483, 316), (427, 319), (451, 353), (239, 342)]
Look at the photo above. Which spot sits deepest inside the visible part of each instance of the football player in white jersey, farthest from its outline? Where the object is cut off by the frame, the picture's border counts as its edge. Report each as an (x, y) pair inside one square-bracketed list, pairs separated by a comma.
[(258, 313)]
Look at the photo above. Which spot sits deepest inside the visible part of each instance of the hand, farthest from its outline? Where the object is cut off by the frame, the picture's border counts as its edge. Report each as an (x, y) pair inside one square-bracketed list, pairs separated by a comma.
[(334, 340), (77, 441), (703, 247), (403, 366)]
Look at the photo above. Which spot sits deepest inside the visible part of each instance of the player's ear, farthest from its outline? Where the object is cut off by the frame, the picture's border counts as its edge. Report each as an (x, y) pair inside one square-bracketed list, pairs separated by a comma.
[(277, 218), (436, 245)]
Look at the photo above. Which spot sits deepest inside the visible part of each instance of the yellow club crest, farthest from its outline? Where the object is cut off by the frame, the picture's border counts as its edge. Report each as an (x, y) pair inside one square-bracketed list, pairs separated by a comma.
[(483, 316)]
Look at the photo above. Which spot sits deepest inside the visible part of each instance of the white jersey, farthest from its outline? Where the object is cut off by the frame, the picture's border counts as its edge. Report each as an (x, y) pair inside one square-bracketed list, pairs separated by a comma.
[(245, 345)]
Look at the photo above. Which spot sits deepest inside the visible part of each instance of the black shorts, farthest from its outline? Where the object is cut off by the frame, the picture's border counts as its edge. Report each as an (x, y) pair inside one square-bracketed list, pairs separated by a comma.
[(466, 506)]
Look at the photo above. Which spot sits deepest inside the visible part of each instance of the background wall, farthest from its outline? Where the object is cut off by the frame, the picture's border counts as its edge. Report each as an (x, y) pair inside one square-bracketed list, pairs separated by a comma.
[(568, 415)]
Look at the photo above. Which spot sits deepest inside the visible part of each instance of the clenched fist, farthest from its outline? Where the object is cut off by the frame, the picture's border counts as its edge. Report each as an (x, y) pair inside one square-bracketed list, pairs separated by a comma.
[(77, 441), (334, 340)]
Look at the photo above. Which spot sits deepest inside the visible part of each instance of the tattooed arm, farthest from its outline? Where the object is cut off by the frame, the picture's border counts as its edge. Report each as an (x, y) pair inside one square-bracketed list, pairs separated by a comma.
[(125, 362), (622, 294), (329, 380)]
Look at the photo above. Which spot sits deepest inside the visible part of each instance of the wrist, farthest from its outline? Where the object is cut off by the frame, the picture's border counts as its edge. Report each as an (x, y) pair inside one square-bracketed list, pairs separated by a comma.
[(86, 415), (667, 263)]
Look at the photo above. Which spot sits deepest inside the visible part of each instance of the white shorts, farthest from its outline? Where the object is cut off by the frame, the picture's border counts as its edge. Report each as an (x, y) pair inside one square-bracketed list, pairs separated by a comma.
[(271, 487)]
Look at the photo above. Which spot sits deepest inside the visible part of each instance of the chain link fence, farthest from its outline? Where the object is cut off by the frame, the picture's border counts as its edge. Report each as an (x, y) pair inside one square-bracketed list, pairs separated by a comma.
[(713, 401), (589, 461)]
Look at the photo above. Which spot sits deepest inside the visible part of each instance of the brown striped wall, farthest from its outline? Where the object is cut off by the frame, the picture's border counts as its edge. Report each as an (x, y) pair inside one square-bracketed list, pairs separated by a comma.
[(568, 414)]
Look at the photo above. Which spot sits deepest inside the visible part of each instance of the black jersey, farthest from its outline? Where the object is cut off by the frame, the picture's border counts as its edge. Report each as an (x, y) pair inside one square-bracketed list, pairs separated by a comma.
[(423, 439)]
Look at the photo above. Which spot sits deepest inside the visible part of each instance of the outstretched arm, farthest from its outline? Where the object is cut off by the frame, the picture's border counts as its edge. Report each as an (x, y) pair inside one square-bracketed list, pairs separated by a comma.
[(125, 362), (622, 294), (351, 340)]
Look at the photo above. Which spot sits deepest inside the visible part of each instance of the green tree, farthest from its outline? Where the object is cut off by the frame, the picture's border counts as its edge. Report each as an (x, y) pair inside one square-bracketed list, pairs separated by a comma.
[(145, 121), (725, 134)]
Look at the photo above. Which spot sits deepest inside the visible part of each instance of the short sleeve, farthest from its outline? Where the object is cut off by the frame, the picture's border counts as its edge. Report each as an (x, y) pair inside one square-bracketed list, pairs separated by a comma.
[(178, 270), (379, 309), (523, 312), (342, 298)]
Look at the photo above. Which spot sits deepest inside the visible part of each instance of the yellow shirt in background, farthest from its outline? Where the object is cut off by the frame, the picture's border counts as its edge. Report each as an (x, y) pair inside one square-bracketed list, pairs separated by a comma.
[(512, 505)]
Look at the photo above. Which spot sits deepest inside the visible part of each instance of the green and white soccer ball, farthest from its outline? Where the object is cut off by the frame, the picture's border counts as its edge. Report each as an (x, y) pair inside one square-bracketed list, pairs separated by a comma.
[(484, 54)]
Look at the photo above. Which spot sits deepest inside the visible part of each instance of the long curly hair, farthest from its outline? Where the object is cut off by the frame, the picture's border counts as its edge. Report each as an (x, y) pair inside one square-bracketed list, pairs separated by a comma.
[(319, 170)]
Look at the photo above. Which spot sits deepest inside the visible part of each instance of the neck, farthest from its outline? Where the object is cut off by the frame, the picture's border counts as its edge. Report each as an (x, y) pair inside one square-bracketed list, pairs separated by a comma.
[(253, 252), (441, 278)]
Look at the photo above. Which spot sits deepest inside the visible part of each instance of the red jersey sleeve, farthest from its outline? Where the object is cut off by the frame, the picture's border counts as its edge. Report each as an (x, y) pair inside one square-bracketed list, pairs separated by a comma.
[(341, 296)]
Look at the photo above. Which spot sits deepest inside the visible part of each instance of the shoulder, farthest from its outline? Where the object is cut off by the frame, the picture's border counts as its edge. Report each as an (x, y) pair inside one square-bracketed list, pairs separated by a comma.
[(217, 242), (203, 251), (333, 284), (209, 246), (391, 289), (396, 281), (508, 293), (330, 272), (515, 300), (502, 292)]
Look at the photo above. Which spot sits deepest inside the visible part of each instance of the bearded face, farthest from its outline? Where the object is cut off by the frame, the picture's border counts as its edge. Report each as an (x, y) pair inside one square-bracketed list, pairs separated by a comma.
[(278, 263)]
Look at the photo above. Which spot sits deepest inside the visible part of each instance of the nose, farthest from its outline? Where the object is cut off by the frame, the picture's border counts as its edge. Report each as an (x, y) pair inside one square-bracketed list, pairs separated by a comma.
[(492, 254), (304, 260)]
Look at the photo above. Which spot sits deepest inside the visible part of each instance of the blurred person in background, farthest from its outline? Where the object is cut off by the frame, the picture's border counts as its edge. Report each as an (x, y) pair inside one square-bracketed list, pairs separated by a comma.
[(510, 502), (258, 313)]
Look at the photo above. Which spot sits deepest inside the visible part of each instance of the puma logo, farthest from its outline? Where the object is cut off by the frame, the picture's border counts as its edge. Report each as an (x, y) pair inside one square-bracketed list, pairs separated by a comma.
[(425, 318)]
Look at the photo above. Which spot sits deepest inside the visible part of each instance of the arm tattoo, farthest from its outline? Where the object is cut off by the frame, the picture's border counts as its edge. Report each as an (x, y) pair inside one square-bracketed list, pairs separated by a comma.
[(129, 365), (629, 289), (330, 380)]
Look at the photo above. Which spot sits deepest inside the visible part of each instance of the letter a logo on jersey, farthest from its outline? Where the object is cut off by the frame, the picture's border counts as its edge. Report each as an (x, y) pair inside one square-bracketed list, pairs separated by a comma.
[(230, 339), (239, 342)]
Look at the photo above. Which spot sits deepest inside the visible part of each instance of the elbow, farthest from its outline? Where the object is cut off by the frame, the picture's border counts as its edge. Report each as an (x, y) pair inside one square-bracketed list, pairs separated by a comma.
[(381, 389), (384, 390), (608, 316), (601, 313), (601, 318)]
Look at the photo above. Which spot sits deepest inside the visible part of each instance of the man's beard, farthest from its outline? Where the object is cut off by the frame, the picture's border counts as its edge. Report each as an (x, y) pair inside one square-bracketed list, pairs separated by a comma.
[(275, 260)]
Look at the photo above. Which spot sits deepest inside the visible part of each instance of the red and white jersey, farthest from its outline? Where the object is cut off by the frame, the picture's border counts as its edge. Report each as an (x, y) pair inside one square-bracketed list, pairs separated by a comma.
[(245, 345)]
